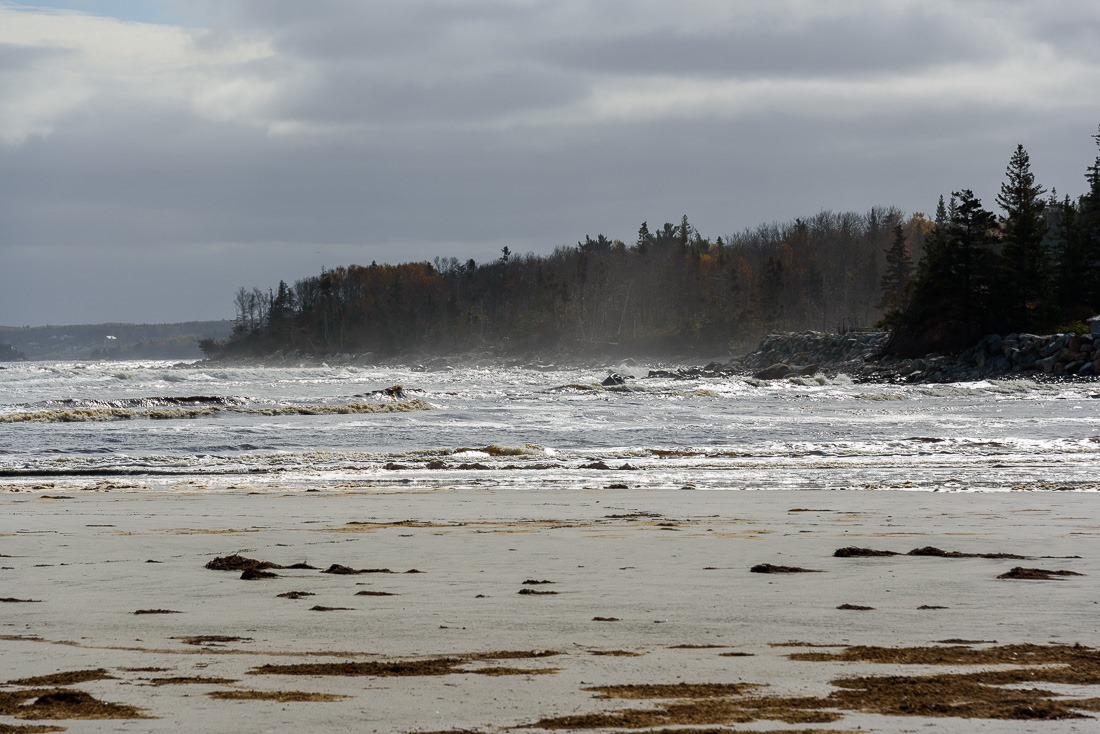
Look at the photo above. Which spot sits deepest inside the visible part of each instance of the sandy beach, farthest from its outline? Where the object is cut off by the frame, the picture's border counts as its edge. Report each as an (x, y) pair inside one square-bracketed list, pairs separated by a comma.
[(488, 610)]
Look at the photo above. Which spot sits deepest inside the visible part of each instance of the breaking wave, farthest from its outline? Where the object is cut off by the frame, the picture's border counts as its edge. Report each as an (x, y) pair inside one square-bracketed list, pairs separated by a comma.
[(142, 408)]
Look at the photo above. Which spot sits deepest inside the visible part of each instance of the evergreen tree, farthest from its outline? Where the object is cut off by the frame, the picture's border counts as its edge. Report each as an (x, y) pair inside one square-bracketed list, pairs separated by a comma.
[(1070, 258), (645, 239), (941, 213), (899, 270), (1026, 285), (951, 305), (971, 235), (1089, 232)]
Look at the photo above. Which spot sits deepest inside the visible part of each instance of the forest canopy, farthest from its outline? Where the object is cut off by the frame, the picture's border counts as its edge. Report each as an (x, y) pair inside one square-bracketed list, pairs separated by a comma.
[(938, 283)]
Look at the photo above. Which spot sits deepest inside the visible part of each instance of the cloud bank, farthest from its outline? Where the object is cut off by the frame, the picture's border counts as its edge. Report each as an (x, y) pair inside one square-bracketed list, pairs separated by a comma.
[(147, 169)]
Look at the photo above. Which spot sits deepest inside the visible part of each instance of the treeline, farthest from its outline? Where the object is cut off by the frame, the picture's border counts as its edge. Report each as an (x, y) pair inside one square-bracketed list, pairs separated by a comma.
[(938, 284), (1033, 268), (670, 289), (112, 341)]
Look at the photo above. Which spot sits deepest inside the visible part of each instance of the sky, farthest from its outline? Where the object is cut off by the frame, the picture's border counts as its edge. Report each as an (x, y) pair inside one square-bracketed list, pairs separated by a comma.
[(156, 156)]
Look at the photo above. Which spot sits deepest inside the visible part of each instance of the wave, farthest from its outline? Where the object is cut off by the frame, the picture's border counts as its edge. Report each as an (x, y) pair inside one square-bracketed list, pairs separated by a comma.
[(137, 410), (151, 402)]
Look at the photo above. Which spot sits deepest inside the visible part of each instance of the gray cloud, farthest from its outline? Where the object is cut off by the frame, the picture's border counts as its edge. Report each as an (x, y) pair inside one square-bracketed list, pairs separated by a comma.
[(442, 98), (845, 45)]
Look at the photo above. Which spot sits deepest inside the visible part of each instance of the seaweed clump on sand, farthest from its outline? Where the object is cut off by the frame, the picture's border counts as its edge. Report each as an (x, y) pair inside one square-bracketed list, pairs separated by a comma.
[(505, 670), (237, 562), (983, 694), (67, 678), (699, 704), (280, 696), (854, 552), (342, 570), (931, 550), (1077, 656), (28, 728), (181, 680), (217, 640), (672, 690), (381, 669), (255, 574), (771, 568), (401, 668), (157, 611), (1036, 574), (62, 703)]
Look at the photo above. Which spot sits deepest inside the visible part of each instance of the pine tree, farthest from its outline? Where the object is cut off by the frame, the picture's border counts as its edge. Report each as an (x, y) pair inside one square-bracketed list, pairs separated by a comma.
[(1025, 287)]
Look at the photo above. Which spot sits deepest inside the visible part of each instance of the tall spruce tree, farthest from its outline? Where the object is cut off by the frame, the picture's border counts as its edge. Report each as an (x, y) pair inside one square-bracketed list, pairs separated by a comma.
[(899, 270), (951, 304), (1070, 263), (1025, 287), (1088, 225), (972, 262)]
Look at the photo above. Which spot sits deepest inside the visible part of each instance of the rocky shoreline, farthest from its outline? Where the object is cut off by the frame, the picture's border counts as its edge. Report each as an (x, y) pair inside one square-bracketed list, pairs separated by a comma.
[(859, 355), (783, 355)]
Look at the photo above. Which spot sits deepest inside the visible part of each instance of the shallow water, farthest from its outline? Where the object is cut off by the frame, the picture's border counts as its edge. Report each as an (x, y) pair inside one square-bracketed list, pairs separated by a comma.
[(155, 424)]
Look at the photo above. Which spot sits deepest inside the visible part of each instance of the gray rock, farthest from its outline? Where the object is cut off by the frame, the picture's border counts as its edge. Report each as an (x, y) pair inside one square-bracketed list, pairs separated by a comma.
[(776, 371), (1046, 364)]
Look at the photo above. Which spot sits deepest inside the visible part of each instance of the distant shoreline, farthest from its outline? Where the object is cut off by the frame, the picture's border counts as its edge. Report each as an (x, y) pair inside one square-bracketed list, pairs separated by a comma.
[(113, 341)]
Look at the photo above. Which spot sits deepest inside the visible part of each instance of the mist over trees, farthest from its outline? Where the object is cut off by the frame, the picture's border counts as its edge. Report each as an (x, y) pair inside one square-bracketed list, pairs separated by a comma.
[(671, 288), (938, 283)]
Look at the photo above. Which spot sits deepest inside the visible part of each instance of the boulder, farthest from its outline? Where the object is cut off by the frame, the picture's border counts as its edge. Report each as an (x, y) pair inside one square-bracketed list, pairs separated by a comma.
[(776, 371), (1046, 364)]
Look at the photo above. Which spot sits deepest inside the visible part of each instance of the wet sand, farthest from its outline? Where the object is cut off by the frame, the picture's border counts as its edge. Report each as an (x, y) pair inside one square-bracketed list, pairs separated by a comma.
[(439, 617)]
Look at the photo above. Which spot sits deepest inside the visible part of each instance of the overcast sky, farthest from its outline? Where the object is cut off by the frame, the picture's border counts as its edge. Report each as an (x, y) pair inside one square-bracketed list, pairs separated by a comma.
[(154, 156)]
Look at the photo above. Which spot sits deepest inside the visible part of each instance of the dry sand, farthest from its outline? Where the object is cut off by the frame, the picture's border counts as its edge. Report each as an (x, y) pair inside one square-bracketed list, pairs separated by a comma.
[(656, 622)]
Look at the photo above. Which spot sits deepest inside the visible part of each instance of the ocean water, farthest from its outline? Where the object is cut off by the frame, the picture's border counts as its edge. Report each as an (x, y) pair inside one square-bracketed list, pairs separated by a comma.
[(104, 425)]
